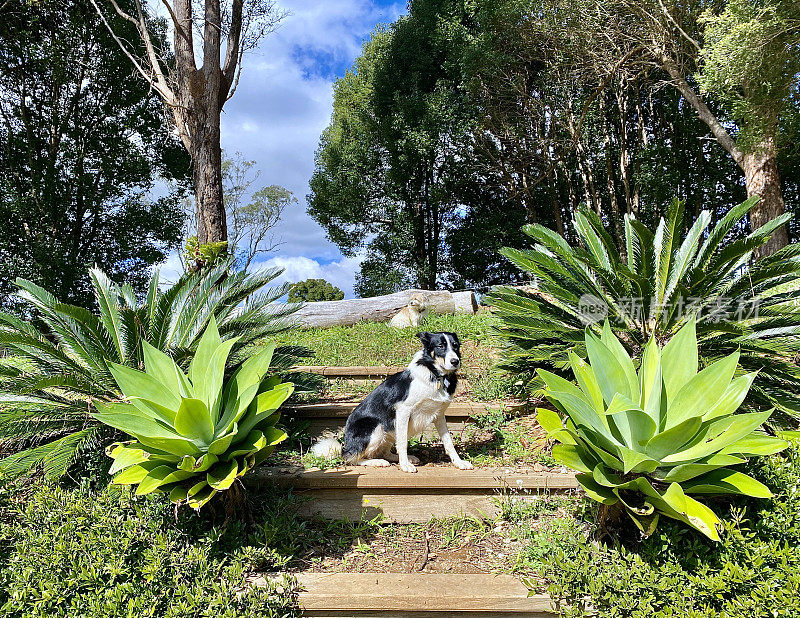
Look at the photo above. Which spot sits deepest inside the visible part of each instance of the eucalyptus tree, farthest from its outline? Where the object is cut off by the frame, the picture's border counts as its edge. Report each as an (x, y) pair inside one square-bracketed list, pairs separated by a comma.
[(194, 94)]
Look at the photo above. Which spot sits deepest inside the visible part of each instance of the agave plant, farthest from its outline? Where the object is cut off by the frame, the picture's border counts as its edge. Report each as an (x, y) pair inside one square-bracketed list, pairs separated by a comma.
[(58, 363), (651, 441), (652, 287), (194, 434)]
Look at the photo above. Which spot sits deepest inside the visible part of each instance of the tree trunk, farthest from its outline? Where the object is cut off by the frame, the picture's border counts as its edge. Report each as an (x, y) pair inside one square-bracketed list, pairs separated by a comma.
[(762, 179), (207, 169)]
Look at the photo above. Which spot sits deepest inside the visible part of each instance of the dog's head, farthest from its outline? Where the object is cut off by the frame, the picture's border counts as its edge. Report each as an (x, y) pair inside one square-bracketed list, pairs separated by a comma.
[(418, 303), (443, 349)]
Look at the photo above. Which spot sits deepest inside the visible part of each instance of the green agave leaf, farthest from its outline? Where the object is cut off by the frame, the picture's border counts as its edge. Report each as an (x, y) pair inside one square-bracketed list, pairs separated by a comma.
[(247, 379), (127, 454), (719, 434), (161, 366), (789, 435), (669, 441), (220, 445), (138, 384), (697, 515), (646, 523), (702, 391), (136, 473), (210, 388), (274, 436), (679, 360), (178, 446), (724, 481), (756, 444), (732, 398), (620, 353), (194, 421), (595, 491), (235, 409), (209, 342), (685, 472), (222, 475), (128, 418), (254, 442), (159, 476), (650, 379), (178, 494), (549, 420), (633, 461), (587, 381), (635, 427), (202, 497), (574, 457), (201, 464), (600, 446), (263, 407), (261, 455), (611, 377)]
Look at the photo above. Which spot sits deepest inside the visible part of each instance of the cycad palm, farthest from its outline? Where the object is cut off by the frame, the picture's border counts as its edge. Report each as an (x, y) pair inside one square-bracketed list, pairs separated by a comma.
[(56, 364), (670, 279)]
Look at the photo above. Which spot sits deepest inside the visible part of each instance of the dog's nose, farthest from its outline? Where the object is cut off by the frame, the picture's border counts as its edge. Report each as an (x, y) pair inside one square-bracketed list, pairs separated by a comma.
[(455, 362)]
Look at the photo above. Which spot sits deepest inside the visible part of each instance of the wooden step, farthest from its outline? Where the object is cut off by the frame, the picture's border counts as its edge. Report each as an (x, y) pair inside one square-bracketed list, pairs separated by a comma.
[(434, 491), (374, 372), (416, 595), (329, 416)]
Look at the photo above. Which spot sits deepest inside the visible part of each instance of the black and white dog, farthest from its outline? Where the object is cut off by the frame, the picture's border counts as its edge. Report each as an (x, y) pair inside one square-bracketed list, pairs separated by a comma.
[(403, 406)]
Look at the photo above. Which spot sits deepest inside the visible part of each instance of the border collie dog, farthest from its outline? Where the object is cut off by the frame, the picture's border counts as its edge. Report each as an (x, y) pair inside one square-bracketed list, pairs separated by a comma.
[(403, 406)]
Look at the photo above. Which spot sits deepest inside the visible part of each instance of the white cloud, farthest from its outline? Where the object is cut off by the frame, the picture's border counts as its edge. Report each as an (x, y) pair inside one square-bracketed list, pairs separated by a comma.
[(340, 273), (282, 105)]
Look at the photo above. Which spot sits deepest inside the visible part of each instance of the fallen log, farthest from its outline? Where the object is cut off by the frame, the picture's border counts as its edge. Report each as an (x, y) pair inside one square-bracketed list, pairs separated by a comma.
[(324, 314)]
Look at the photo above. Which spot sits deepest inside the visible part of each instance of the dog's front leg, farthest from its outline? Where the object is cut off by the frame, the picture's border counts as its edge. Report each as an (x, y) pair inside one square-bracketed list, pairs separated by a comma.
[(402, 418), (447, 440)]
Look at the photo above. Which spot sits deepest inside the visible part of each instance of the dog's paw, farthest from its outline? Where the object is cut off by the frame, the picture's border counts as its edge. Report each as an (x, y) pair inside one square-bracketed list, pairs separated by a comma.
[(463, 465), (408, 467)]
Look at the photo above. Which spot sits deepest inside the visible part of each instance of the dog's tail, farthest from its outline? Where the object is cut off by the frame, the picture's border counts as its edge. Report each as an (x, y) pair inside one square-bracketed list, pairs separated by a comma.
[(328, 446)]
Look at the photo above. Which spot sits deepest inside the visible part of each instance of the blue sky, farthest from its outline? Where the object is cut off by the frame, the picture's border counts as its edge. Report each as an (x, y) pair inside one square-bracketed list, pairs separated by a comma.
[(282, 105)]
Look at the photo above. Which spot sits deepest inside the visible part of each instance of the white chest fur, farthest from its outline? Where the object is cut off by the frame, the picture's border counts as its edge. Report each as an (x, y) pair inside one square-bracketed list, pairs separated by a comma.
[(426, 399)]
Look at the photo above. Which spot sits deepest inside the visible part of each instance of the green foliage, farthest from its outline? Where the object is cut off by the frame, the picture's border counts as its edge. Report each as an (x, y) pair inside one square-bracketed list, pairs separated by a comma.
[(205, 255), (653, 285), (750, 60), (83, 146), (196, 434), (646, 441), (79, 554), (312, 290), (754, 572), (55, 367)]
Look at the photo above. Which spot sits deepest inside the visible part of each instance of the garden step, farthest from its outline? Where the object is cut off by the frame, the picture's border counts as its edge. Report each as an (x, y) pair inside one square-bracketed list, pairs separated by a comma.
[(434, 491), (332, 416), (417, 595)]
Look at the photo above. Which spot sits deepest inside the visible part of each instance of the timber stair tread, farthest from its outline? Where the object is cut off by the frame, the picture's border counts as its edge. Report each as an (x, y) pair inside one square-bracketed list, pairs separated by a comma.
[(416, 594), (442, 477), (329, 409)]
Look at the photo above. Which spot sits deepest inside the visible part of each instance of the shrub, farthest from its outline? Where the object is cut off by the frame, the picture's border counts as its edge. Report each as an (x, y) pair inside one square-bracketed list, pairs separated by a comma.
[(79, 554), (754, 572), (56, 364), (652, 287), (195, 435), (644, 442), (312, 290)]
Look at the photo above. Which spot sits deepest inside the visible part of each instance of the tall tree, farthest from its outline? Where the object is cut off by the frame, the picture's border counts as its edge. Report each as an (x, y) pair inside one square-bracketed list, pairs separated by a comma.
[(81, 145), (195, 95), (745, 54)]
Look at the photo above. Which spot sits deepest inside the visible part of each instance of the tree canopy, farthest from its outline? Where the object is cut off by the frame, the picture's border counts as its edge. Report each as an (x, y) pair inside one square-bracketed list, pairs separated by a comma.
[(82, 146), (312, 290)]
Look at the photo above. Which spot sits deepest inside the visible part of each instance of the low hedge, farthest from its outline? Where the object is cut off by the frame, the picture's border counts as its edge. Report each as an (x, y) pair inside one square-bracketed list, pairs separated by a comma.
[(753, 572), (80, 553)]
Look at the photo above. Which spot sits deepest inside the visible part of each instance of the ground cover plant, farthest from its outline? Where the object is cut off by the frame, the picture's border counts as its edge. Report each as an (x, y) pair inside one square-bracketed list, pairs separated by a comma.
[(55, 362), (652, 286), (194, 434), (645, 442), (87, 553), (753, 572)]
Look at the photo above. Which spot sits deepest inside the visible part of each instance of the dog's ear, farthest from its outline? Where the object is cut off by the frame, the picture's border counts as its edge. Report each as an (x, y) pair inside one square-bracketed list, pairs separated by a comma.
[(425, 338)]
